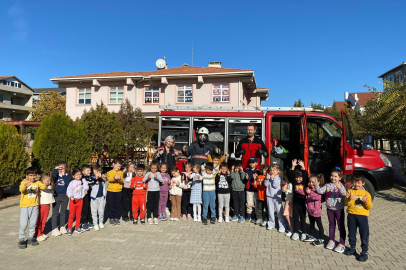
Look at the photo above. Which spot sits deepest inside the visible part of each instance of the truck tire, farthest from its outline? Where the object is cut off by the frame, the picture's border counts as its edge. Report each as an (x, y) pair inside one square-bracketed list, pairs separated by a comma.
[(370, 188)]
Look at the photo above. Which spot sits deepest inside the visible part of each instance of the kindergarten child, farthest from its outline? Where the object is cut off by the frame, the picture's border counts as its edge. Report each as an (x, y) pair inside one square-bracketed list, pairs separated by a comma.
[(196, 196), (209, 193), (216, 159), (29, 201), (237, 185), (313, 206), (61, 179), (223, 188), (45, 200), (153, 178), (274, 199), (86, 216), (359, 203), (335, 196), (139, 195), (128, 174), (250, 189), (76, 191), (262, 202), (186, 206), (114, 192), (176, 193), (287, 188), (98, 198), (163, 192)]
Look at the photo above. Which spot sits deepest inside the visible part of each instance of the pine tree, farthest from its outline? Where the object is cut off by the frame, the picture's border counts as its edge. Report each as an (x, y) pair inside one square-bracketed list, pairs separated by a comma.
[(298, 103)]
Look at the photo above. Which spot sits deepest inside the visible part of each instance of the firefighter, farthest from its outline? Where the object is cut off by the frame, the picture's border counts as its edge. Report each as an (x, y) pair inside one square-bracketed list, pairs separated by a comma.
[(198, 150)]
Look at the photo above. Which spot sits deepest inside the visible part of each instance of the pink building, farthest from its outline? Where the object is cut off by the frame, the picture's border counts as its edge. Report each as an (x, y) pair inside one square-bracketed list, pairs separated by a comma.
[(185, 85)]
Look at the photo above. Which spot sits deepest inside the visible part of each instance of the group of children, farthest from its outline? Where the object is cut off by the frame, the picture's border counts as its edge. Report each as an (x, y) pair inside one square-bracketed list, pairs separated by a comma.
[(251, 194)]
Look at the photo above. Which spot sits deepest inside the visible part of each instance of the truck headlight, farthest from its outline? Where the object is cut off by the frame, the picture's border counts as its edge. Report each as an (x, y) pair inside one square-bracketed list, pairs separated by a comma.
[(386, 160)]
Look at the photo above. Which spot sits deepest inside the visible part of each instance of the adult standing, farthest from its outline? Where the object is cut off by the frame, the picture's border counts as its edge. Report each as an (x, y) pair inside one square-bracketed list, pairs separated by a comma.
[(167, 153), (198, 150), (251, 146)]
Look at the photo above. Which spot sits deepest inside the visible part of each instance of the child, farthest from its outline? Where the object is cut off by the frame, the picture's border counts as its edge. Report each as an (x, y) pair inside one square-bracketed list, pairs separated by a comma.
[(128, 174), (313, 206), (61, 180), (261, 202), (139, 195), (216, 159), (287, 188), (176, 193), (359, 203), (98, 198), (196, 195), (86, 217), (153, 178), (29, 201), (223, 188), (163, 192), (186, 206), (250, 190), (299, 179), (237, 185), (209, 193), (335, 196), (114, 192), (274, 199), (45, 200), (76, 191)]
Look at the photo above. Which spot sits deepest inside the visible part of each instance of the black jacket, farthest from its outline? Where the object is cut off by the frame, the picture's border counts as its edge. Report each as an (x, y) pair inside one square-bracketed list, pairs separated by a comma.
[(170, 158)]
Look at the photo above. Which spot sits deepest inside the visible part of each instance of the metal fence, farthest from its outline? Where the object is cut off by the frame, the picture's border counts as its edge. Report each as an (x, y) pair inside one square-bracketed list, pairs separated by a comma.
[(391, 147)]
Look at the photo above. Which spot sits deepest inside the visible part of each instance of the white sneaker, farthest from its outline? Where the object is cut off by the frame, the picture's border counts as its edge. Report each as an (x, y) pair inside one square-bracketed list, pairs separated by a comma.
[(195, 219), (63, 230), (96, 227), (199, 218), (46, 236), (172, 219), (220, 220), (155, 221), (56, 232), (150, 221), (41, 238), (227, 219), (175, 219), (288, 233), (101, 225)]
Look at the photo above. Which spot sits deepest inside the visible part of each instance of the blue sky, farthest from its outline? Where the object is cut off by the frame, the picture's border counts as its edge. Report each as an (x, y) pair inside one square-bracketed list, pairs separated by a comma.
[(308, 49)]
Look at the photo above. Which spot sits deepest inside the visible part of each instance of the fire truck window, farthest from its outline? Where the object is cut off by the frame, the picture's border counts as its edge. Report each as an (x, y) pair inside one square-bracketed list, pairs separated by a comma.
[(238, 131), (281, 131)]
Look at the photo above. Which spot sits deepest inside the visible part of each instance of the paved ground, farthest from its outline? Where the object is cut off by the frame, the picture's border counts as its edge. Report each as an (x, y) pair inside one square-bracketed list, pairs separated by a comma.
[(187, 244)]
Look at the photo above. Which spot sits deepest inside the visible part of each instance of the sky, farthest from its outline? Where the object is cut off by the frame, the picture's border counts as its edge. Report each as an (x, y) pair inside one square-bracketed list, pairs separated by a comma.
[(314, 50)]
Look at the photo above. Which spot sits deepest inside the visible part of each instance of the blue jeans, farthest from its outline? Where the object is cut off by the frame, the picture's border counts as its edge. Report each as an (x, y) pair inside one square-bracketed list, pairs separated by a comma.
[(209, 197)]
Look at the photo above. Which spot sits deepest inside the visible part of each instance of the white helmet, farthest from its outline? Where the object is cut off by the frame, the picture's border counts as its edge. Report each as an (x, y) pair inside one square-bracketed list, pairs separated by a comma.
[(203, 130)]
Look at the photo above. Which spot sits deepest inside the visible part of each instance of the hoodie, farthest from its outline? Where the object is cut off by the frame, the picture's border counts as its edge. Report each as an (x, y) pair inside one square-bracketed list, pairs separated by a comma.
[(61, 182)]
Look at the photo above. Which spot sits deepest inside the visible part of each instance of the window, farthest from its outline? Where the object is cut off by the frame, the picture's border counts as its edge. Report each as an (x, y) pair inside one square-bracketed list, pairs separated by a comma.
[(221, 92), (184, 93), (4, 82), (116, 95), (151, 95), (399, 76), (1, 98), (280, 130), (19, 85), (1, 115), (84, 96)]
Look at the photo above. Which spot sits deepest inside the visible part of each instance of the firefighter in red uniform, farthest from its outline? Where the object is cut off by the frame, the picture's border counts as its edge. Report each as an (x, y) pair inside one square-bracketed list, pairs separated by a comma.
[(251, 146)]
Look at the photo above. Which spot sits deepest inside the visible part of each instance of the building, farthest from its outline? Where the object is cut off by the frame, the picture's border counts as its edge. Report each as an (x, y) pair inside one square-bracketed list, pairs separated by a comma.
[(15, 99), (396, 75), (38, 91), (357, 101), (184, 85)]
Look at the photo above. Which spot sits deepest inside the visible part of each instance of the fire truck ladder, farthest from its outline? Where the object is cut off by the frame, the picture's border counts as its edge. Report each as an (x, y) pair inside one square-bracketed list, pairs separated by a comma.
[(237, 108)]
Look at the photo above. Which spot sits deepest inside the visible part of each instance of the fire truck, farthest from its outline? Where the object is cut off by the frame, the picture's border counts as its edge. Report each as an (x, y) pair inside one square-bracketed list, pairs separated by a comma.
[(303, 133)]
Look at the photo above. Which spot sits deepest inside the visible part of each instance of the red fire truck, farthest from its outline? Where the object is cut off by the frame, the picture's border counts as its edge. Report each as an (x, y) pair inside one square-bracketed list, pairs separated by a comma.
[(304, 133)]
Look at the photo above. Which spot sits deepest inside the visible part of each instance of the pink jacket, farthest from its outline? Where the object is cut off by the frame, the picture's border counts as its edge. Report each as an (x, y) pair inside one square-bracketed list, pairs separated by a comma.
[(313, 203)]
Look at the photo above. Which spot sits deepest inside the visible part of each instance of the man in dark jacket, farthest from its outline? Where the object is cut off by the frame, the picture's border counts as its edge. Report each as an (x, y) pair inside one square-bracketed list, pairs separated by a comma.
[(198, 150)]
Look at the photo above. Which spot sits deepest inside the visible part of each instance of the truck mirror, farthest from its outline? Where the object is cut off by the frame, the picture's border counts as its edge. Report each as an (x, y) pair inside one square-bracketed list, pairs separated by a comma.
[(368, 139)]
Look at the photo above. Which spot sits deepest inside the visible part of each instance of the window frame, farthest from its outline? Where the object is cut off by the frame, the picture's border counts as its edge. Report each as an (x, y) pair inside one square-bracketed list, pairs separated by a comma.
[(184, 91), (221, 92), (150, 89), (116, 91), (84, 97)]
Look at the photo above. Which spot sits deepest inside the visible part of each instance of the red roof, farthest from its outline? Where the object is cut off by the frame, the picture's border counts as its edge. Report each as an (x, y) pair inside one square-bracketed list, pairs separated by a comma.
[(5, 77), (169, 71), (341, 105), (364, 97)]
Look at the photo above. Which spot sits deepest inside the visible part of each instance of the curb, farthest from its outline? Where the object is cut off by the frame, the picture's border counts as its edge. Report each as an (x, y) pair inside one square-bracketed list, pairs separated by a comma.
[(10, 203)]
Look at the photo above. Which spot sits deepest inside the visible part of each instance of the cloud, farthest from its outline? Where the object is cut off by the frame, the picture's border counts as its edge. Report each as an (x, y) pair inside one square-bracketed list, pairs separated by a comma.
[(19, 22)]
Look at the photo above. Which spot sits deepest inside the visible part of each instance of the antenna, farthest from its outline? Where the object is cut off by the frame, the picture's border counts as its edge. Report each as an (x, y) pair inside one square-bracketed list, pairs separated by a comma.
[(192, 53)]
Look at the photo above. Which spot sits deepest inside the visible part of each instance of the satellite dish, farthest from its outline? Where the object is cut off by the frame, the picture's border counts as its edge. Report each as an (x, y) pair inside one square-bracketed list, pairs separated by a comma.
[(160, 63)]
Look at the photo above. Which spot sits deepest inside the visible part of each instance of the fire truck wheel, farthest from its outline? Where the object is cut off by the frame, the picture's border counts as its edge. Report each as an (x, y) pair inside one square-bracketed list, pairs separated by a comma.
[(370, 188)]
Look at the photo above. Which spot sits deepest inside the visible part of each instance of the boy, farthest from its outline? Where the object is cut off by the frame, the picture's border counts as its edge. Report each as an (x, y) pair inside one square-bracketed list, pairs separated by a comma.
[(98, 198), (114, 192), (209, 193), (86, 217), (217, 159), (223, 187), (359, 203), (237, 185), (139, 195), (250, 189), (29, 202)]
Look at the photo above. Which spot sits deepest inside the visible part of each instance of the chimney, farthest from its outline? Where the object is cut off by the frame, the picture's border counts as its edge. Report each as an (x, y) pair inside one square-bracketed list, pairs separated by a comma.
[(215, 64), (346, 96), (356, 97)]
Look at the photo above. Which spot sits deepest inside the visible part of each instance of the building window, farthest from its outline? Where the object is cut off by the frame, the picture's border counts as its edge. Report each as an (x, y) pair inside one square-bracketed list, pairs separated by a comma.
[(221, 92), (151, 95), (84, 96), (19, 85), (1, 115), (399, 76), (4, 82), (116, 95), (184, 93), (1, 98)]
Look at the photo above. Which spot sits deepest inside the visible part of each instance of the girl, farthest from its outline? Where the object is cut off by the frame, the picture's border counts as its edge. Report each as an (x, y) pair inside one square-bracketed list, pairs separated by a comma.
[(196, 196), (274, 199), (335, 196), (128, 173), (154, 178), (287, 188), (164, 189), (176, 193), (61, 179), (261, 202), (186, 206), (76, 191), (45, 200), (98, 198), (313, 206)]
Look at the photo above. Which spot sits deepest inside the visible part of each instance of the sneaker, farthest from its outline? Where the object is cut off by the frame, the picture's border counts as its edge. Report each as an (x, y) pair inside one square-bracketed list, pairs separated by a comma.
[(176, 219), (78, 230), (340, 248), (288, 233), (295, 236), (183, 217), (220, 220), (331, 244), (172, 219), (125, 219), (70, 231), (164, 217), (117, 221), (112, 222), (234, 218), (63, 230), (96, 228), (56, 232), (227, 219), (269, 228), (189, 217), (90, 225), (160, 217), (363, 257), (155, 221), (135, 221), (349, 251), (101, 225), (142, 221), (85, 227), (32, 242), (258, 222), (46, 236), (195, 218), (213, 220), (253, 221), (318, 242), (150, 222), (241, 219), (281, 230), (199, 218), (204, 221), (303, 237), (22, 244), (309, 239), (41, 238)]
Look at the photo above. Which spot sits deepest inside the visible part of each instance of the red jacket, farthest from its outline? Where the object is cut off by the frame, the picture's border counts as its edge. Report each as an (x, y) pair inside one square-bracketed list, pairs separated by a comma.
[(139, 186), (251, 148)]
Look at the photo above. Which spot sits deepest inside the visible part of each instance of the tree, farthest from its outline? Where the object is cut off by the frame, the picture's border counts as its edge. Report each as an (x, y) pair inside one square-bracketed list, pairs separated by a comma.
[(60, 139), (298, 103), (333, 111), (48, 104), (13, 158), (103, 130), (317, 106)]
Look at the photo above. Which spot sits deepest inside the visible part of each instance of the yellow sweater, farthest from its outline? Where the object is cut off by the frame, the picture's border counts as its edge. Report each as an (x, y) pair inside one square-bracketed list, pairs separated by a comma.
[(115, 185), (357, 206), (30, 195)]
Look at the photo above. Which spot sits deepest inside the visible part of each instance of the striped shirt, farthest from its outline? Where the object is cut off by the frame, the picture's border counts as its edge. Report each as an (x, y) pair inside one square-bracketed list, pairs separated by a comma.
[(209, 184)]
